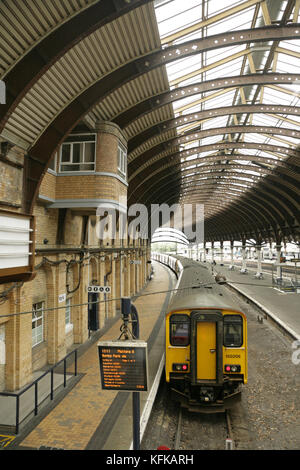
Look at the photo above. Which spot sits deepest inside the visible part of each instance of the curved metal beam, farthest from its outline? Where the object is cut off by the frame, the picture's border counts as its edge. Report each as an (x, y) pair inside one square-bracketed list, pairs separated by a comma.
[(197, 134), (27, 71), (156, 101), (230, 226), (173, 179), (281, 167), (158, 159), (263, 206), (240, 219), (62, 125), (223, 224), (279, 196), (164, 126), (259, 200), (290, 203)]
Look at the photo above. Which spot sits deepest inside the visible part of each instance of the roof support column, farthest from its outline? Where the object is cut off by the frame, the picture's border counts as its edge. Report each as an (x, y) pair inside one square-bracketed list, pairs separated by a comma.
[(231, 254), (278, 268), (258, 274), (221, 252), (213, 252), (244, 255)]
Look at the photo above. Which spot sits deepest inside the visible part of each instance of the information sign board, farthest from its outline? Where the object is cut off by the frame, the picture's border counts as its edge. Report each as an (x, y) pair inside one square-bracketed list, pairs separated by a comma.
[(123, 365)]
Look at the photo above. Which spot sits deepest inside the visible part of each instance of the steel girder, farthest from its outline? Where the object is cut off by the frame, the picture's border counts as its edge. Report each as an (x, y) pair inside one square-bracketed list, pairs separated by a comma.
[(199, 134), (259, 200), (185, 119), (156, 101), (159, 158), (62, 125), (245, 210), (289, 198), (184, 185), (235, 217), (282, 167), (247, 230), (280, 196)]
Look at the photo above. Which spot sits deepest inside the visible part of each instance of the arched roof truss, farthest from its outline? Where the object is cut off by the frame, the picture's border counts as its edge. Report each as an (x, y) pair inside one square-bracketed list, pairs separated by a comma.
[(206, 94)]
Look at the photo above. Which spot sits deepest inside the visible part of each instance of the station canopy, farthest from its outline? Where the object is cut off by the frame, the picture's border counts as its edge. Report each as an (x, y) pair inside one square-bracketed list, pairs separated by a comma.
[(206, 92)]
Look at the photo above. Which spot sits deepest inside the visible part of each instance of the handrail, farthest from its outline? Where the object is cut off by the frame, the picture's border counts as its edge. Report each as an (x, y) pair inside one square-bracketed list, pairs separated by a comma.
[(35, 385)]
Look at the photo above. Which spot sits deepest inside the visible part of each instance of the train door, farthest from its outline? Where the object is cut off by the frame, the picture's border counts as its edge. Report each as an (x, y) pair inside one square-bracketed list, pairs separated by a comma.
[(206, 347), (206, 351)]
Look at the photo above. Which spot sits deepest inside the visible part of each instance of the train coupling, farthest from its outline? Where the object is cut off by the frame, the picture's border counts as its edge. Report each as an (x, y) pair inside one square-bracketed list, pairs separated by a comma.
[(207, 394)]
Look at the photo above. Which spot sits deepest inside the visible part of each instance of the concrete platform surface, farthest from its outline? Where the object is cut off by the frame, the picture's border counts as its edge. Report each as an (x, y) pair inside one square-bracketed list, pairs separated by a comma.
[(283, 306)]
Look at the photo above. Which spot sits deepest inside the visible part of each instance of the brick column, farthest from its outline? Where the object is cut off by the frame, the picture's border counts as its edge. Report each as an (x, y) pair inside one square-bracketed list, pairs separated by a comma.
[(59, 316), (18, 336)]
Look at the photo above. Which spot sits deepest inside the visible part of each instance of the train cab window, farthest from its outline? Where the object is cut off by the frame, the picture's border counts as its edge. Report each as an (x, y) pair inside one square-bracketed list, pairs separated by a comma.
[(179, 330), (233, 331)]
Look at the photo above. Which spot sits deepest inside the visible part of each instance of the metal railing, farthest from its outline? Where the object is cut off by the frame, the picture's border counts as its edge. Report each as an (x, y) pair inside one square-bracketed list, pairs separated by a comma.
[(35, 384)]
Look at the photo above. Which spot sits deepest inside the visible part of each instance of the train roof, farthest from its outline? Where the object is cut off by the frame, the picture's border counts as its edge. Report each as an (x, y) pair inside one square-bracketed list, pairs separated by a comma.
[(210, 295)]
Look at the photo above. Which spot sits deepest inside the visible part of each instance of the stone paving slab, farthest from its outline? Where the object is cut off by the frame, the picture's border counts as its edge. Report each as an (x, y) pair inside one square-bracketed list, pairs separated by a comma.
[(73, 422)]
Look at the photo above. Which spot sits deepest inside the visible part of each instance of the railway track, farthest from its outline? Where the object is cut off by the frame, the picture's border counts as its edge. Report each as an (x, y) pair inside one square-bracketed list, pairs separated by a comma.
[(179, 429), (197, 431)]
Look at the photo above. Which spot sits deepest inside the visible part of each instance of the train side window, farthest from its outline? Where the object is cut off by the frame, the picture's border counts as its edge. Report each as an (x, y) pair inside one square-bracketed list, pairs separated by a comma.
[(179, 330), (233, 331)]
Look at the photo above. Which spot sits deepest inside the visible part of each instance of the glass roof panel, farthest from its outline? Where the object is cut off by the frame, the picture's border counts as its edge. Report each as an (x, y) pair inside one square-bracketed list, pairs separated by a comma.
[(211, 18)]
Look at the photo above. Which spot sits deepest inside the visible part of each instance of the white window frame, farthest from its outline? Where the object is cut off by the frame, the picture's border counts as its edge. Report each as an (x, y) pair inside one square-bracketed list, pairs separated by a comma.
[(81, 163), (122, 160), (37, 315)]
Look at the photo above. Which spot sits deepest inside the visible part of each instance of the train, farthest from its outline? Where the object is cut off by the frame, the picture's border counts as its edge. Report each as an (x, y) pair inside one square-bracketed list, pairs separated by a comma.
[(206, 338)]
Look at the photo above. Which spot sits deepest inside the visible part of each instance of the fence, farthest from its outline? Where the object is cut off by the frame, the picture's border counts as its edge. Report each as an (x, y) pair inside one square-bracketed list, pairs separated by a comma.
[(32, 402)]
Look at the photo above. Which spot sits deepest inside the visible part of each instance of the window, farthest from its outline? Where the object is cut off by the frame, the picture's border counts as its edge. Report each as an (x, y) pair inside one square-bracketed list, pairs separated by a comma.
[(122, 160), (78, 153), (68, 312), (37, 323), (233, 331), (179, 330)]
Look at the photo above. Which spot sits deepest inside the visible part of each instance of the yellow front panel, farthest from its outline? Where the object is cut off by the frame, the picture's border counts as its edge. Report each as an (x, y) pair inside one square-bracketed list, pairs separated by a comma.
[(206, 351)]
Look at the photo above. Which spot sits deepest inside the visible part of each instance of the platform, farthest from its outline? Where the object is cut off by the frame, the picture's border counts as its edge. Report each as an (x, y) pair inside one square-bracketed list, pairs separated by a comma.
[(283, 307), (88, 418)]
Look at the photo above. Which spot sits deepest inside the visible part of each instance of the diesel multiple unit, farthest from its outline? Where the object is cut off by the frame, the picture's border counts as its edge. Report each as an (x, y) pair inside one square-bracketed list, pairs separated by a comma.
[(206, 339)]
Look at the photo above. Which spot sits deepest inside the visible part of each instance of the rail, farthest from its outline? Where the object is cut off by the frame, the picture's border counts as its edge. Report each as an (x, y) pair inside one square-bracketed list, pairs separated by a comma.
[(35, 384)]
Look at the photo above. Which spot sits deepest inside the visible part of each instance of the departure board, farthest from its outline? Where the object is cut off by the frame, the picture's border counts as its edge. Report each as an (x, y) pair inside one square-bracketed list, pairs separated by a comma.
[(123, 365)]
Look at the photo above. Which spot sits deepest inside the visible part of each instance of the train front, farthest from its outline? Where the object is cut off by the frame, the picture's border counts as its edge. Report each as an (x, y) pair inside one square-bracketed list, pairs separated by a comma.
[(206, 349)]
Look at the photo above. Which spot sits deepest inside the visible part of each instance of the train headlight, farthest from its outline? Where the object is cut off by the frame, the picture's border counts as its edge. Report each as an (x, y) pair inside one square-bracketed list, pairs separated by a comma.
[(232, 368), (180, 367)]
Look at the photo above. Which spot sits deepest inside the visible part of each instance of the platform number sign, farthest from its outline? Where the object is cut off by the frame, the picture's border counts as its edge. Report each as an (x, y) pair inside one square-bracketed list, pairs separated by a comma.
[(123, 365), (99, 289)]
